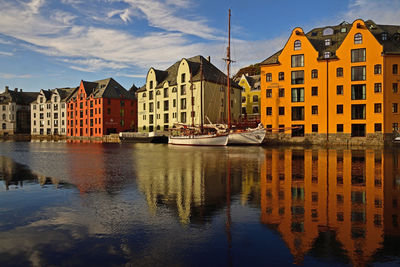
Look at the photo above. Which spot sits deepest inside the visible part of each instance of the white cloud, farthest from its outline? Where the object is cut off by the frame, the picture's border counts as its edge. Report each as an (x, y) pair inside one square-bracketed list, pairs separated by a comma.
[(2, 53), (14, 76), (382, 11), (35, 5)]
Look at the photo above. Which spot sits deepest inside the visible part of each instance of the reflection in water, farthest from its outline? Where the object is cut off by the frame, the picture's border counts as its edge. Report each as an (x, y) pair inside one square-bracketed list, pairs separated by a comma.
[(145, 204), (334, 203)]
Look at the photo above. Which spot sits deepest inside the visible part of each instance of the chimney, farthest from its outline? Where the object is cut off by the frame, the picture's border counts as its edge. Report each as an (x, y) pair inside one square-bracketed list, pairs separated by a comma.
[(209, 59), (15, 89), (20, 90), (7, 89)]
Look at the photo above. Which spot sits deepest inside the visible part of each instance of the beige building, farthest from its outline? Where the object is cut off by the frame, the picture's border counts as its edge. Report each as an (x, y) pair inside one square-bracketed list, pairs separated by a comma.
[(15, 111), (49, 112), (188, 92)]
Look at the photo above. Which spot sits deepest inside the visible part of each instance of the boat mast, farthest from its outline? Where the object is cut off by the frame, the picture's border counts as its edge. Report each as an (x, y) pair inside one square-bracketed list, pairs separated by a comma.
[(228, 61), (192, 98), (201, 95)]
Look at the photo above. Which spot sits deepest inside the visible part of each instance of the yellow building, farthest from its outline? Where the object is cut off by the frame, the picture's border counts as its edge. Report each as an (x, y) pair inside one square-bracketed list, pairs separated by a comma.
[(191, 91), (334, 84), (251, 96)]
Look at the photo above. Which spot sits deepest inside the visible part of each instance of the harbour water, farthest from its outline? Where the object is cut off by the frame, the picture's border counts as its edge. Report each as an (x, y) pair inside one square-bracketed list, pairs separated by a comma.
[(77, 204)]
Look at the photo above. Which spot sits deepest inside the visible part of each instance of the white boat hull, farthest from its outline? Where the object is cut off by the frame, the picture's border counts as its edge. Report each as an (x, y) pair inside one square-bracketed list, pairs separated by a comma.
[(248, 137), (199, 140)]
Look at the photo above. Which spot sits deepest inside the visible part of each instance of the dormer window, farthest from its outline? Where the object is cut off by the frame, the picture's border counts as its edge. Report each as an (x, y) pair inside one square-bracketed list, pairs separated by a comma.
[(297, 45), (327, 31), (327, 42), (151, 84), (327, 54), (183, 77), (384, 36), (358, 38), (144, 95), (343, 30)]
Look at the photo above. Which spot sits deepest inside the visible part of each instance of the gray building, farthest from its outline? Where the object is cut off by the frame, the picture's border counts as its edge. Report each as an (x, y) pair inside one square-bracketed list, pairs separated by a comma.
[(49, 112), (15, 111)]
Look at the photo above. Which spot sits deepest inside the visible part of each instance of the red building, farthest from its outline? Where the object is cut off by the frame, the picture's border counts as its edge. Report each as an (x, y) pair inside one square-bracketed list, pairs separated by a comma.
[(100, 108)]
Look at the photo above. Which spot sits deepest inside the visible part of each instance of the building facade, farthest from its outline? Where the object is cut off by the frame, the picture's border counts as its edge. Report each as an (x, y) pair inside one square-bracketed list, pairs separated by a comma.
[(251, 96), (100, 108), (192, 91), (334, 84), (15, 111), (49, 112)]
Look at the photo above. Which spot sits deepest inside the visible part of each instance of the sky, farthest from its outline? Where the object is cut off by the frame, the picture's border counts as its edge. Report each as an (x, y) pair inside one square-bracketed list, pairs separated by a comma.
[(47, 44)]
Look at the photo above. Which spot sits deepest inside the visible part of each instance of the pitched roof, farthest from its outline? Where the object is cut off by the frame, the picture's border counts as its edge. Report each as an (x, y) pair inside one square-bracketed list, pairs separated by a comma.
[(210, 73), (107, 88), (18, 97), (317, 39)]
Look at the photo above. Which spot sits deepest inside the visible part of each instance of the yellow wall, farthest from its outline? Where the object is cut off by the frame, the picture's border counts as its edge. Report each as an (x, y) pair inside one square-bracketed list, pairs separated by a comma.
[(248, 94)]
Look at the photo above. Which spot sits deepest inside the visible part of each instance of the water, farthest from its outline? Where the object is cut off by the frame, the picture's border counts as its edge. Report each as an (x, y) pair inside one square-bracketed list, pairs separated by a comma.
[(80, 204)]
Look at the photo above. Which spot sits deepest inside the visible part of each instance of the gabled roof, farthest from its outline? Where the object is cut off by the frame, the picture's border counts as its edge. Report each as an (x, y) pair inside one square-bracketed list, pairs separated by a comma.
[(209, 71), (18, 97), (107, 88), (317, 39), (64, 92)]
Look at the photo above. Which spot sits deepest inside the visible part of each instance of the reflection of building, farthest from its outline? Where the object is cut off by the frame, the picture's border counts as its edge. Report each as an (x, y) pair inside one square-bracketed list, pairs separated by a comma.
[(332, 196), (192, 182)]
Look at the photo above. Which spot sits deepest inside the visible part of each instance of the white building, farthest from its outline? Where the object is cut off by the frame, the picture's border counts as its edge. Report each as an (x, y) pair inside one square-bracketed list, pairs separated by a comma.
[(15, 111), (190, 92), (49, 112)]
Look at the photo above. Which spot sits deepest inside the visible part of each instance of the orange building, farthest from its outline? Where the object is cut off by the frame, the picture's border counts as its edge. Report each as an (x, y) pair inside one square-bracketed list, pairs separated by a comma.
[(100, 108), (334, 84), (328, 201)]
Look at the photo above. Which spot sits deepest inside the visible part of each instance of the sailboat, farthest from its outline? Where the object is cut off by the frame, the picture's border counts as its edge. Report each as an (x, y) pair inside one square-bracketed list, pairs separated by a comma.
[(249, 136), (182, 134)]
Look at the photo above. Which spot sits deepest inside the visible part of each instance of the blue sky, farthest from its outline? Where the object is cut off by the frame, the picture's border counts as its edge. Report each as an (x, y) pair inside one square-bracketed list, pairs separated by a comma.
[(56, 43)]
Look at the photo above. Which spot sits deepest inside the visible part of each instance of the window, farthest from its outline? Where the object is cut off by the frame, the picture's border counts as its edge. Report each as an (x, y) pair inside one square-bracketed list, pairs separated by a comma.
[(298, 77), (268, 77), (255, 98), (314, 110), (327, 42), (339, 90), (395, 68), (166, 118), (151, 84), (151, 107), (339, 109), (327, 31), (358, 112), (183, 89), (255, 110), (183, 103), (243, 99), (358, 73), (174, 103), (343, 30), (394, 108), (358, 130), (394, 88), (297, 61), (165, 92), (339, 128), (384, 36), (358, 55), (377, 107), (314, 74), (297, 94), (269, 93), (281, 92), (327, 54), (183, 77), (281, 76), (297, 45), (269, 111), (395, 126), (314, 128), (281, 111), (339, 72), (378, 88), (297, 113), (358, 92), (314, 91), (378, 127), (151, 95), (378, 69), (166, 105), (358, 38)]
